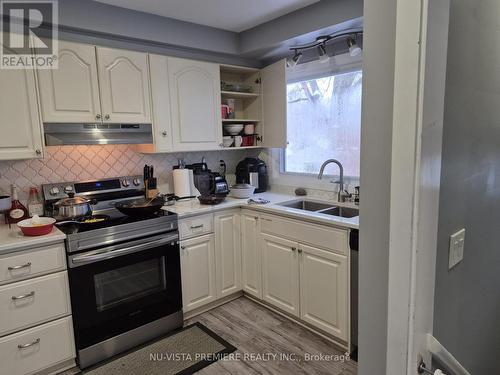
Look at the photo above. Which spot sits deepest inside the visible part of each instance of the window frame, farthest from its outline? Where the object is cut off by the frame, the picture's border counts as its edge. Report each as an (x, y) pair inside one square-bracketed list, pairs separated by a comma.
[(341, 64)]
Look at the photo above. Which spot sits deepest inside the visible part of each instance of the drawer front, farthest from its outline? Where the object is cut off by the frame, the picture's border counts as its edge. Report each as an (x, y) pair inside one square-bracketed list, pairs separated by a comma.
[(196, 226), (31, 263), (329, 238), (38, 348), (30, 302)]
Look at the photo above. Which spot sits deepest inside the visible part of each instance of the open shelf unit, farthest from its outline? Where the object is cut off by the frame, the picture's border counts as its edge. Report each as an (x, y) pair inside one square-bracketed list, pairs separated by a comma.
[(247, 105)]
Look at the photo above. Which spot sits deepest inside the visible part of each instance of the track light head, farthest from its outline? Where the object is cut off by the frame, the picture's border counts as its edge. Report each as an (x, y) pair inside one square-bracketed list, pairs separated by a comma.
[(294, 60), (323, 56), (354, 49)]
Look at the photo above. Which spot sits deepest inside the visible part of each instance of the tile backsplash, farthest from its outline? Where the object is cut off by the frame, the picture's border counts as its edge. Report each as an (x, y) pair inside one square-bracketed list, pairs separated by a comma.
[(80, 163)]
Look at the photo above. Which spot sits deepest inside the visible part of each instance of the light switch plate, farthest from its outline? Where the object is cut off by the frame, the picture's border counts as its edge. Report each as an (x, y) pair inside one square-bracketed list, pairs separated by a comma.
[(456, 252)]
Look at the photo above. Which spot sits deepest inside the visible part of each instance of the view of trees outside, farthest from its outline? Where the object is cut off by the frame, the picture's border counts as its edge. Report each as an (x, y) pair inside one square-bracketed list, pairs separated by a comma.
[(324, 122)]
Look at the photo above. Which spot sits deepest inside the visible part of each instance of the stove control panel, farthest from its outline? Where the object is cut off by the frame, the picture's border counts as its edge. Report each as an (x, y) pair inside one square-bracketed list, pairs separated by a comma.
[(56, 191)]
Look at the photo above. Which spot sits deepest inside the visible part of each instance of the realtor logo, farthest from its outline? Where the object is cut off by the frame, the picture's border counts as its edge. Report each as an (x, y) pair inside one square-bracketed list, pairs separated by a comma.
[(28, 34)]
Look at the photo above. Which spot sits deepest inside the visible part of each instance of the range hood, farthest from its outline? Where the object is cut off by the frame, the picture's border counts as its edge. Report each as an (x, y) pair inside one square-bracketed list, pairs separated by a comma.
[(97, 134)]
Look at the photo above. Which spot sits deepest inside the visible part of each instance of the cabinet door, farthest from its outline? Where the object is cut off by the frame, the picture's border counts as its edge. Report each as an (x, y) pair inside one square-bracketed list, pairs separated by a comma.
[(280, 273), (324, 286), (274, 105), (198, 271), (21, 133), (160, 102), (250, 252), (124, 86), (195, 98), (227, 252), (70, 93)]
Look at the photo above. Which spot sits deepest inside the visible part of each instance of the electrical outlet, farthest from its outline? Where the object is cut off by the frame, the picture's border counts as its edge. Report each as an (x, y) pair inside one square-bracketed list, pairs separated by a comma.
[(456, 252)]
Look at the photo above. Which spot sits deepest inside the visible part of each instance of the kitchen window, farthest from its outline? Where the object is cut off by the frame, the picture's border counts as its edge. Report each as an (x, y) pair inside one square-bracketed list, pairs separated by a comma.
[(324, 119)]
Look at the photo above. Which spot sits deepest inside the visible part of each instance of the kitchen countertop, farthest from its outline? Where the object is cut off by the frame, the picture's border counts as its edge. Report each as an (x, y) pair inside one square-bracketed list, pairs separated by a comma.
[(12, 239), (192, 207)]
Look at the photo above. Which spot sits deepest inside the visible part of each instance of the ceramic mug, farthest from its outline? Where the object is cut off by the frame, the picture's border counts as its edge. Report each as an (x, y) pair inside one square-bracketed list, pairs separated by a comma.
[(249, 129), (238, 140)]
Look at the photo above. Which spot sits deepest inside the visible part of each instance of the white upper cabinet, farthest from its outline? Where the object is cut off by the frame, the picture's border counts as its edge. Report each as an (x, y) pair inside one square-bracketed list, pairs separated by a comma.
[(274, 105), (195, 104), (124, 86), (71, 92), (21, 135)]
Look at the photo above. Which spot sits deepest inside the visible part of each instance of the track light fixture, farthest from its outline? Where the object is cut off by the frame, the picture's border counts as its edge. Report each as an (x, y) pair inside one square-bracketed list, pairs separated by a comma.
[(351, 37), (294, 60), (354, 49), (323, 56)]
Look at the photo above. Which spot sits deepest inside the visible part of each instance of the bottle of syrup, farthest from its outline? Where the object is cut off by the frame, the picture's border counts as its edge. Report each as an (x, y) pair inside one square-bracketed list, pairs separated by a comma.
[(17, 212)]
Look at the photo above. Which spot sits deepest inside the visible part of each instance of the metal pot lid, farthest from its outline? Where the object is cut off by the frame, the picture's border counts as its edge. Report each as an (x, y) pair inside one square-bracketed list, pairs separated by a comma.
[(72, 201)]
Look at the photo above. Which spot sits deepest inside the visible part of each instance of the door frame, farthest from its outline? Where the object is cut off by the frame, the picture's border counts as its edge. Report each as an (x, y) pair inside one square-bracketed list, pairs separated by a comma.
[(397, 269)]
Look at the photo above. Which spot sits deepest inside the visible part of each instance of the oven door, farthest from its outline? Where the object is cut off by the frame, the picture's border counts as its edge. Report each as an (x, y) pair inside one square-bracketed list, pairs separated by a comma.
[(121, 287)]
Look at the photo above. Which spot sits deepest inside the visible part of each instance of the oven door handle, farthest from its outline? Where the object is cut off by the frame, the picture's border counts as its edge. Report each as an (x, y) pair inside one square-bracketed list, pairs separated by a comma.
[(109, 254)]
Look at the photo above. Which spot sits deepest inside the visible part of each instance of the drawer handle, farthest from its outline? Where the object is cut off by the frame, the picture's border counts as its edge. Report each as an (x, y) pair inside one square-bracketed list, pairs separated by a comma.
[(266, 219), (24, 346), (23, 296), (196, 226), (12, 268)]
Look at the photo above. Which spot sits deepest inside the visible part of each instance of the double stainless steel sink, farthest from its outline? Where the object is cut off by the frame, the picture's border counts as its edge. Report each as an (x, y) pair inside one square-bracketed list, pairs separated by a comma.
[(321, 208)]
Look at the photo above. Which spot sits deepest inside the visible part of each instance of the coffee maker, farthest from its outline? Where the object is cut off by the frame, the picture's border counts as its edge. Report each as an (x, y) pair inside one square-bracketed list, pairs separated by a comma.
[(253, 171), (208, 182)]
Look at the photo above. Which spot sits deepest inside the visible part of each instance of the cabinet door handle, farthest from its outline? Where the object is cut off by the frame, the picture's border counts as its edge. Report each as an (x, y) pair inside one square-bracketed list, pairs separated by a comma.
[(38, 151), (98, 116), (12, 268), (164, 133), (196, 226), (294, 248), (23, 296), (300, 251), (24, 346), (106, 117)]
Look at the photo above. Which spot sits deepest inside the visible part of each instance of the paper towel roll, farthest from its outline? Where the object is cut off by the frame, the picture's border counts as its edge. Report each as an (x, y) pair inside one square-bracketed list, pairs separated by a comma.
[(182, 186)]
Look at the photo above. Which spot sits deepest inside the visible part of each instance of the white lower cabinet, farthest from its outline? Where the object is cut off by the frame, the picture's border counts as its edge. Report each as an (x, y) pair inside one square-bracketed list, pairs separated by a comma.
[(198, 271), (324, 290), (251, 255), (38, 348), (280, 273), (227, 252)]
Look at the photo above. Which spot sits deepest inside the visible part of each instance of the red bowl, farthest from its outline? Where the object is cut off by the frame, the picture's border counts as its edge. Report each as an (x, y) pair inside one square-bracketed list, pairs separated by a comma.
[(44, 227)]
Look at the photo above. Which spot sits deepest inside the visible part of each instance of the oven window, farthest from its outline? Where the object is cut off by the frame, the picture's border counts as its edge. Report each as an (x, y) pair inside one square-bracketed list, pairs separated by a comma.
[(122, 285)]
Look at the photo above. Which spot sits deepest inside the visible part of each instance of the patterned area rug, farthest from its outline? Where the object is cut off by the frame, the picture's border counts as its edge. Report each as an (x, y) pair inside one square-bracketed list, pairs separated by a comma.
[(181, 353)]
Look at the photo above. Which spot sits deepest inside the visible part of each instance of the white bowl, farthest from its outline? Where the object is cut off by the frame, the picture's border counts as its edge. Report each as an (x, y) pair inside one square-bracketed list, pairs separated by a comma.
[(242, 191), (233, 129)]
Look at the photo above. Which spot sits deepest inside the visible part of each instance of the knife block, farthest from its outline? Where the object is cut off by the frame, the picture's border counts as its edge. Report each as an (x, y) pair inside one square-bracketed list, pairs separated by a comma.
[(150, 193)]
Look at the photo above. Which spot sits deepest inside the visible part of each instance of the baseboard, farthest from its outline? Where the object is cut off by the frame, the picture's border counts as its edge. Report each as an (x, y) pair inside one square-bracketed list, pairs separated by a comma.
[(212, 305), (58, 368)]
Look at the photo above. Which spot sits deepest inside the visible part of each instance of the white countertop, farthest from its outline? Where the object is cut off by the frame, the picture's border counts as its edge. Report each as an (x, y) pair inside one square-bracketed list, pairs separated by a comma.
[(193, 207), (12, 239)]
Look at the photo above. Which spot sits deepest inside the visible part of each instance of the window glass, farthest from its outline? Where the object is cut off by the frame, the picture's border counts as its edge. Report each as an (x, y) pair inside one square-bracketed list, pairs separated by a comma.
[(324, 122)]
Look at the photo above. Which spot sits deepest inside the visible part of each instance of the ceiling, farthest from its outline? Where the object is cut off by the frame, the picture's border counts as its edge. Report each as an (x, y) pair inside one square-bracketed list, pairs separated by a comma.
[(232, 15)]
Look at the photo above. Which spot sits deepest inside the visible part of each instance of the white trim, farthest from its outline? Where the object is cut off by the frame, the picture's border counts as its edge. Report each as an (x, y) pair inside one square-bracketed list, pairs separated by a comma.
[(444, 356)]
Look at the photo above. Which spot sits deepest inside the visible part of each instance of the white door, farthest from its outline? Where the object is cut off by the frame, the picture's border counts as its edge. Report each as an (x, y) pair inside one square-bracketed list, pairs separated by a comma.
[(250, 253), (274, 104), (124, 86), (324, 289), (280, 273), (160, 102), (227, 252), (198, 271), (21, 133), (70, 93), (195, 98)]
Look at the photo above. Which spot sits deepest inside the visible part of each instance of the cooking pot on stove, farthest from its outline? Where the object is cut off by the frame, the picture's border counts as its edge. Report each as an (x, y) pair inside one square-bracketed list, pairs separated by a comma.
[(72, 207)]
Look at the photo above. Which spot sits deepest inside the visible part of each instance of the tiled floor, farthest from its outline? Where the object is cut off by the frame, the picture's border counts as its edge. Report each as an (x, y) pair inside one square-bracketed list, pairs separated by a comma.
[(262, 337)]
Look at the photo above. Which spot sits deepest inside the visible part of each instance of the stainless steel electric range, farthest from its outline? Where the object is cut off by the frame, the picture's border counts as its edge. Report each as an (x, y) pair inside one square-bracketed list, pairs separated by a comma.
[(124, 274)]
